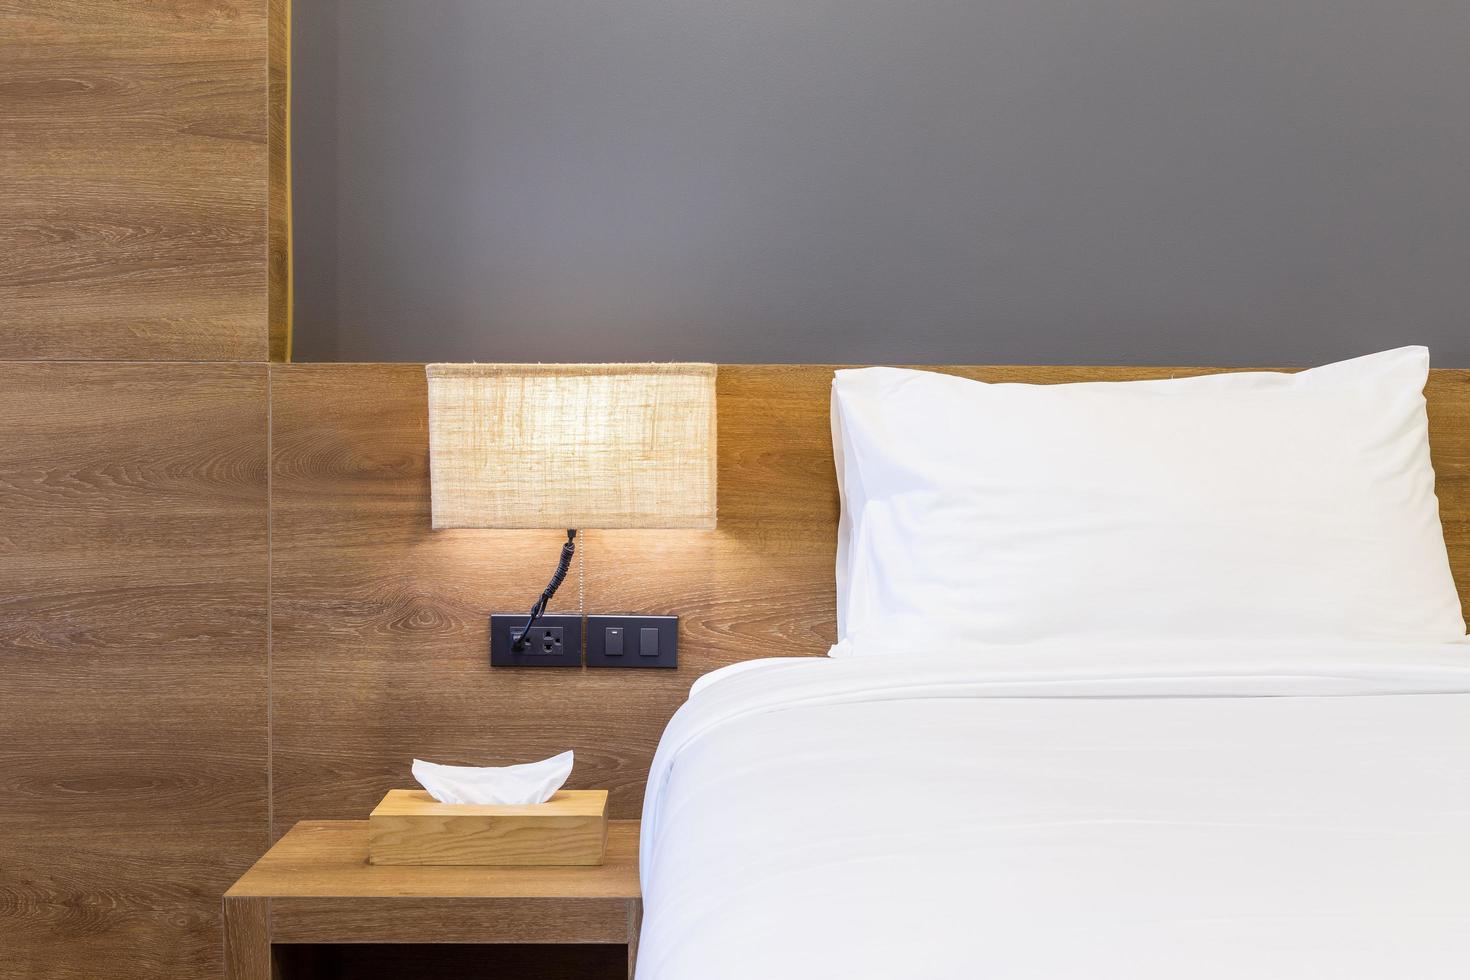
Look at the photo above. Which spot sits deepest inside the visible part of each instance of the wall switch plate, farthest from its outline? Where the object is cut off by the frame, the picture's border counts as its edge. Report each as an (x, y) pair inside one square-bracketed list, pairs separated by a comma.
[(556, 641), (632, 641)]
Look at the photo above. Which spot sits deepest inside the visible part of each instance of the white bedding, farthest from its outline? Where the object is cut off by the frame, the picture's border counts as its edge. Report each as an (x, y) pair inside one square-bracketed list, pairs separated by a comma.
[(1256, 504), (1064, 811)]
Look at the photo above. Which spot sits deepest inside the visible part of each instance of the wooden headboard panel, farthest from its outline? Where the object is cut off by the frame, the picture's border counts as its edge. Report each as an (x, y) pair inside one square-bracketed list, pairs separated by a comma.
[(378, 624)]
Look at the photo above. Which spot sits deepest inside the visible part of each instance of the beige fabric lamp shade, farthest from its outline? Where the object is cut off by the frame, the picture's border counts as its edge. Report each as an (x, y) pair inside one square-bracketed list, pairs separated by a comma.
[(572, 445)]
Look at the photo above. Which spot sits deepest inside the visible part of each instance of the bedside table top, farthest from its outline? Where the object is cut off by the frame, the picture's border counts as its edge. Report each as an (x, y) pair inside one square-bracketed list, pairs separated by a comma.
[(316, 887), (328, 859)]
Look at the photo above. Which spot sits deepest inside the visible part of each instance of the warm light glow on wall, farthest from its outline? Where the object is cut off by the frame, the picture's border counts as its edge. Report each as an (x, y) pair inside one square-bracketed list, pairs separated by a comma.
[(572, 445)]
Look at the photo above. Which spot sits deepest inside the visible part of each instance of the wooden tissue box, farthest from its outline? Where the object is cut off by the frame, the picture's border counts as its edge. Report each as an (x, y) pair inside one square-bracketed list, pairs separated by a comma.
[(411, 827)]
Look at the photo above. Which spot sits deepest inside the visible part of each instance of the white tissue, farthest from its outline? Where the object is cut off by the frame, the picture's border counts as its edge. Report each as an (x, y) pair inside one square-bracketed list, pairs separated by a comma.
[(532, 782)]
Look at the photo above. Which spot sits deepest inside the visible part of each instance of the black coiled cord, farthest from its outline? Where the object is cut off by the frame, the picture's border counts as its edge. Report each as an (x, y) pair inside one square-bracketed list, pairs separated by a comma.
[(563, 565)]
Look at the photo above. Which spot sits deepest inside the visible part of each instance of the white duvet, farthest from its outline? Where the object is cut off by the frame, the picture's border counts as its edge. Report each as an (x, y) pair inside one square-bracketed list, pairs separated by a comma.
[(1242, 811)]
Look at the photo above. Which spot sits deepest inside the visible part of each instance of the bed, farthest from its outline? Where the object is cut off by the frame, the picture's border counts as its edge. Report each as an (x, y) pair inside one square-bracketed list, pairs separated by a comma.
[(1298, 812), (1283, 791)]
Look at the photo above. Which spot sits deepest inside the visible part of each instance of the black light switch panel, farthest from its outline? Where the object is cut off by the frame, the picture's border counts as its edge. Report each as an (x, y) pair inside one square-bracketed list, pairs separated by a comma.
[(632, 641), (555, 641)]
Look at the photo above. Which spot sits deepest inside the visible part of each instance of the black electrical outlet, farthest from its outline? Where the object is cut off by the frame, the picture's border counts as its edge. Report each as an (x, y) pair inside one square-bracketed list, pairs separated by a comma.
[(548, 638), (632, 641), (555, 641)]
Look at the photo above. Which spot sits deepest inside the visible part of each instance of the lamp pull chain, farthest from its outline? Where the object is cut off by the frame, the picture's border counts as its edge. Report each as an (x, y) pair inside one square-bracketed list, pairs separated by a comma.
[(557, 577)]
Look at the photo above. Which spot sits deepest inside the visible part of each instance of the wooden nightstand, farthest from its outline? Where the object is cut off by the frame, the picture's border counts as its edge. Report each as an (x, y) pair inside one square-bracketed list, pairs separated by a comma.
[(308, 905)]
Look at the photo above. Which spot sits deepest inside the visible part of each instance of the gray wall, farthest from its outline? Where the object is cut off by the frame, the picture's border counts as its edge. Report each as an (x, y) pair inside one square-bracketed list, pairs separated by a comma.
[(1110, 181)]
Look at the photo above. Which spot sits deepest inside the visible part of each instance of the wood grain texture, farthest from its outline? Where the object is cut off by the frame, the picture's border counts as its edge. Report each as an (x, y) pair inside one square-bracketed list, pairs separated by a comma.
[(278, 144), (247, 938), (635, 932), (433, 920), (379, 622), (329, 858), (1448, 394), (410, 827), (134, 166), (132, 661), (124, 904), (325, 858), (322, 889)]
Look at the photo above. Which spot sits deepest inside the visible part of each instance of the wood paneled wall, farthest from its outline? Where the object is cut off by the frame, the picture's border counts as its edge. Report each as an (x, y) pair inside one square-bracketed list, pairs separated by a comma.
[(134, 165), (379, 623), (134, 388), (132, 662)]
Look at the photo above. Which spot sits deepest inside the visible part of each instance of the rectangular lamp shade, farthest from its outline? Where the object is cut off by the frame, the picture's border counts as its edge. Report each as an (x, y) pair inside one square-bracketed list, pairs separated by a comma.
[(572, 445)]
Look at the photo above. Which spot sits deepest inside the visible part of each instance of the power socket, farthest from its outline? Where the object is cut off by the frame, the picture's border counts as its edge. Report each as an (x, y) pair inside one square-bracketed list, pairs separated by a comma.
[(545, 639), (555, 641)]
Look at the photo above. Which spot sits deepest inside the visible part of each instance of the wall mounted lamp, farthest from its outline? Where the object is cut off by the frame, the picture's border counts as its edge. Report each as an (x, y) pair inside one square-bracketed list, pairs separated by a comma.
[(571, 446)]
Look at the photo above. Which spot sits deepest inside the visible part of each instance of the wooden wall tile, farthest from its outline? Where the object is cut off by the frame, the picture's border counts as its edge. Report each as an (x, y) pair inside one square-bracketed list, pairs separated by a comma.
[(134, 167), (133, 744)]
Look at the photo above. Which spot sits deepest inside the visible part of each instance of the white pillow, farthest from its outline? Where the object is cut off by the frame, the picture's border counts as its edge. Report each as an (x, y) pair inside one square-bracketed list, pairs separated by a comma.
[(1248, 504)]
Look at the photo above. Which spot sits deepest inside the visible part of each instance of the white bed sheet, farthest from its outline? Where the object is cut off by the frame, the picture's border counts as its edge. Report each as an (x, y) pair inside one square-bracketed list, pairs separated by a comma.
[(1221, 810)]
